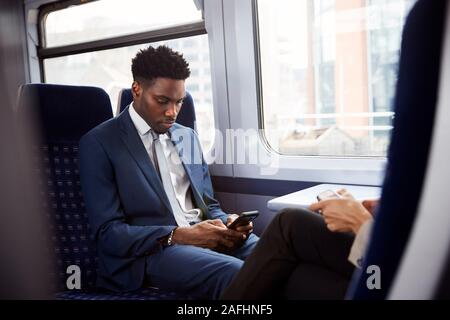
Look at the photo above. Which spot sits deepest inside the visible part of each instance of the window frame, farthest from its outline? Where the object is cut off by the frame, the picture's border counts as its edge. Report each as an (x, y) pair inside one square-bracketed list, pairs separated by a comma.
[(243, 66), (230, 27), (260, 99), (39, 53), (160, 34)]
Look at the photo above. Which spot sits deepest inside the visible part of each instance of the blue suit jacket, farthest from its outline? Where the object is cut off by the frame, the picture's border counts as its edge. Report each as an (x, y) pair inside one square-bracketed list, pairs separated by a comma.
[(125, 200)]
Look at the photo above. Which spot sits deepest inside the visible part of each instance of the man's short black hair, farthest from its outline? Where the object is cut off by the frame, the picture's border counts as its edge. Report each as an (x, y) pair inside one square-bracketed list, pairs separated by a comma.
[(162, 62)]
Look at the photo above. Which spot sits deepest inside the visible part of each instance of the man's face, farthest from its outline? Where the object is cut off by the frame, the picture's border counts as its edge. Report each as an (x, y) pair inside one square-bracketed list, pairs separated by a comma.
[(160, 102)]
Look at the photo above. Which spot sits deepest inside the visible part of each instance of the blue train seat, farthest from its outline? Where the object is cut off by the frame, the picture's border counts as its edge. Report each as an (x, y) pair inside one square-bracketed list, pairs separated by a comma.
[(64, 114)]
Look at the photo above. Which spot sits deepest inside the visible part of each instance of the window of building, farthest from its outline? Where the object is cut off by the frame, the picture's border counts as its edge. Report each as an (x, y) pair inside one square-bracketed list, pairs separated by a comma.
[(328, 72), (110, 68)]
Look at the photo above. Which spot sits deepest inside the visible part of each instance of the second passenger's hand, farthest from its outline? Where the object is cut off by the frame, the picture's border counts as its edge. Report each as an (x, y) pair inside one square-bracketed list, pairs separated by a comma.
[(342, 215), (371, 205), (344, 193)]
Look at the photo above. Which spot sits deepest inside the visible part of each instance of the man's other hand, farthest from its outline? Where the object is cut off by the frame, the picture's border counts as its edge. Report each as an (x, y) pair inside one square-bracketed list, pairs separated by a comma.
[(210, 234)]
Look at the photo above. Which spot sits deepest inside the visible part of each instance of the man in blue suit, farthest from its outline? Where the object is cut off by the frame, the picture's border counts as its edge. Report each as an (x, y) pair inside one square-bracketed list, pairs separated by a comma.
[(149, 196)]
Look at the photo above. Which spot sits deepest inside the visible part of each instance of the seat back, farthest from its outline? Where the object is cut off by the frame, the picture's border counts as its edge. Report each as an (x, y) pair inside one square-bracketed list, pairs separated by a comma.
[(415, 106), (64, 114), (186, 117), (429, 243)]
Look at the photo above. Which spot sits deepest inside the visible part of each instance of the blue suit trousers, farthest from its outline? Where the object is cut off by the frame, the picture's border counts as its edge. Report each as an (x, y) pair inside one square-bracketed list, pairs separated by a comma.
[(202, 273)]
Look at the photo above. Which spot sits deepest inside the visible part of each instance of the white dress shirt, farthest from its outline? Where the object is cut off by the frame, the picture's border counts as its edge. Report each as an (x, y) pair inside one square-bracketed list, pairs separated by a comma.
[(178, 176)]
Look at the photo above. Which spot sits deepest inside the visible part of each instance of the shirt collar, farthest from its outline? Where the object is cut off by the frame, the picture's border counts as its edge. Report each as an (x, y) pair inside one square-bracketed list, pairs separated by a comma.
[(140, 124)]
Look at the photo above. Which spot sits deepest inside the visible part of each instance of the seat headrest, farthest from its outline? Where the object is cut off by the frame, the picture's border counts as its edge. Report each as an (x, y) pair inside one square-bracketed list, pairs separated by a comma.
[(65, 112)]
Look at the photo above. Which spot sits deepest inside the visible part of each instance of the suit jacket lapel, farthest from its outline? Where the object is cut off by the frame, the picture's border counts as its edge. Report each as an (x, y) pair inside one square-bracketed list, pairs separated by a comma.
[(195, 176), (134, 144)]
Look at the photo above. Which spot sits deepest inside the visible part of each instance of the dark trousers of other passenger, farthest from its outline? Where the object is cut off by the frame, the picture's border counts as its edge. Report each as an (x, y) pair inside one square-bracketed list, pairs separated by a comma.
[(297, 257)]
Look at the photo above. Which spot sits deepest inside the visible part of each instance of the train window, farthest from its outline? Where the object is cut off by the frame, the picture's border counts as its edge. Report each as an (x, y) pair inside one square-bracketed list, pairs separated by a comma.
[(327, 74), (102, 19), (106, 63), (110, 69)]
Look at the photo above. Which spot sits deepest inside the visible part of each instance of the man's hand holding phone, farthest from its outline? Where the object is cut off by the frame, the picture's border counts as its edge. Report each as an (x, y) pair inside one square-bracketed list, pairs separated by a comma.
[(242, 222)]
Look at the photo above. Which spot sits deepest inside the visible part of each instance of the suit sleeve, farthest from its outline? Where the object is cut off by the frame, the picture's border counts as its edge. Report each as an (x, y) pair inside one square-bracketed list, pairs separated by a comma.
[(112, 234)]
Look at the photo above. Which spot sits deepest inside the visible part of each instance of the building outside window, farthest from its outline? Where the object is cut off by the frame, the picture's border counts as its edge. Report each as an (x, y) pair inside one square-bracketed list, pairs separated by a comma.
[(328, 73)]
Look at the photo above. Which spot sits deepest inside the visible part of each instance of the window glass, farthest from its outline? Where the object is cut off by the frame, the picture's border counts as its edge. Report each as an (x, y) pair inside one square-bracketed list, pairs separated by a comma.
[(111, 70), (328, 74), (110, 18)]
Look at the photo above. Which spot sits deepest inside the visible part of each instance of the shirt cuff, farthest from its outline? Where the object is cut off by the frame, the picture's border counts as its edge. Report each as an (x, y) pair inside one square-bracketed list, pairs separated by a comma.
[(359, 246)]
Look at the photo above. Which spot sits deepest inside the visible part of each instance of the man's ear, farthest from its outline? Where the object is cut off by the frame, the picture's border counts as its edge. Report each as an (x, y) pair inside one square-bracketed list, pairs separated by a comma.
[(136, 89)]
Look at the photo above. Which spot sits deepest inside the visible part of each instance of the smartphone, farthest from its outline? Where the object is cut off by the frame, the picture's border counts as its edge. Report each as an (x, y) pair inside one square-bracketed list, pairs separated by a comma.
[(244, 218), (327, 194)]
